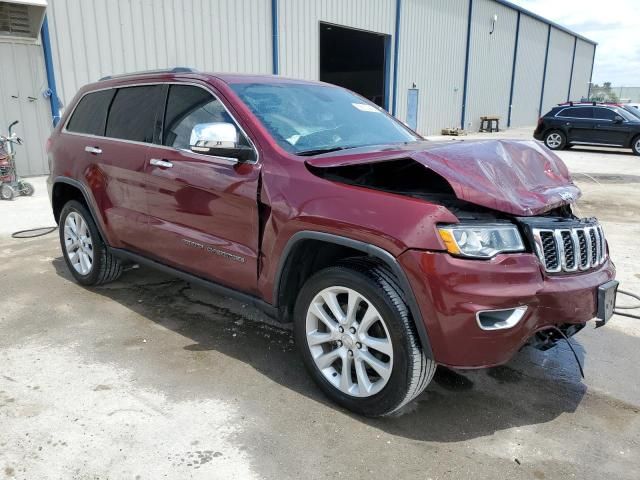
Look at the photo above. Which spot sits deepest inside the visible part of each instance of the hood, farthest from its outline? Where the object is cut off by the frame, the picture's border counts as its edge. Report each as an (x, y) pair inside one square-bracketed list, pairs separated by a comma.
[(522, 178)]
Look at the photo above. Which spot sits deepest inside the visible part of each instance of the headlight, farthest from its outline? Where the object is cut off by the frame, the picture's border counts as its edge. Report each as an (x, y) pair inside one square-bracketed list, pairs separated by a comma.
[(481, 241)]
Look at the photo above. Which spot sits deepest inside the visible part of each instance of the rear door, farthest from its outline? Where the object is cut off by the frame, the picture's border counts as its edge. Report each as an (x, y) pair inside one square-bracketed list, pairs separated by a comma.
[(203, 209), (578, 123), (117, 172), (608, 130)]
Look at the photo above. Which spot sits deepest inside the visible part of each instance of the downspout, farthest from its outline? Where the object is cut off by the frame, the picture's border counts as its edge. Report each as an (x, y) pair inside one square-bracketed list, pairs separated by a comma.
[(573, 61), (396, 54), (513, 69), (52, 91), (544, 73), (593, 62), (275, 37), (466, 67)]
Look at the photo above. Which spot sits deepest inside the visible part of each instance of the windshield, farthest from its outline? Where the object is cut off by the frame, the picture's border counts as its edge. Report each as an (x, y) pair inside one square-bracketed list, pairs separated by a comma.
[(633, 111), (307, 119)]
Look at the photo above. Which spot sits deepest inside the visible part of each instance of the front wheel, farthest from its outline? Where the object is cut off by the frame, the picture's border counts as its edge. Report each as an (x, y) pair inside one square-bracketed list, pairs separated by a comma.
[(85, 254), (27, 189), (555, 140), (358, 341)]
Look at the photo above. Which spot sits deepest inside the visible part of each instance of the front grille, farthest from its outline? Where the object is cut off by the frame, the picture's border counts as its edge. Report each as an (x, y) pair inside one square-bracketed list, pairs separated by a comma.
[(570, 249)]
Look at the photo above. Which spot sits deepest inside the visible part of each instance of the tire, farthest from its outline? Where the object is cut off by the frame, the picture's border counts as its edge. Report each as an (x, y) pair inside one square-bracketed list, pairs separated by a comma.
[(555, 140), (27, 189), (635, 145), (407, 370), (104, 267), (7, 192)]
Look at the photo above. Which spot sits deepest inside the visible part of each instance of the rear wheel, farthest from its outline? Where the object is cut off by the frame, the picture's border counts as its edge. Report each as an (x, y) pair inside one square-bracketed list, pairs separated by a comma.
[(7, 192), (635, 145), (555, 140), (85, 254), (358, 341)]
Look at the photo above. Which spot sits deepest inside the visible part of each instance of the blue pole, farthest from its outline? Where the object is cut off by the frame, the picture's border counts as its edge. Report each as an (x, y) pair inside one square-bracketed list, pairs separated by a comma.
[(275, 37), (466, 67), (51, 78), (573, 61), (544, 73), (396, 46), (513, 69)]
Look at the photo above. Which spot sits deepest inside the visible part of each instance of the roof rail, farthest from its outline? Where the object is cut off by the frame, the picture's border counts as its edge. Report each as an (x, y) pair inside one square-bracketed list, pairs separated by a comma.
[(149, 72)]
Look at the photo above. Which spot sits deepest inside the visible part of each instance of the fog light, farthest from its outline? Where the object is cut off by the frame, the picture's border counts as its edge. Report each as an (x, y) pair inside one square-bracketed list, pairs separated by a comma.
[(500, 319)]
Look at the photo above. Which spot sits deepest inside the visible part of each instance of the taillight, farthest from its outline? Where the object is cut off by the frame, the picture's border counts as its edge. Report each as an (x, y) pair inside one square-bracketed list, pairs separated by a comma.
[(540, 121)]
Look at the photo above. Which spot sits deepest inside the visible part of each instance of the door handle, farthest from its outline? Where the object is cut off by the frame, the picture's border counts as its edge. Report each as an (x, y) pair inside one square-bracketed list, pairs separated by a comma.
[(94, 150), (160, 163)]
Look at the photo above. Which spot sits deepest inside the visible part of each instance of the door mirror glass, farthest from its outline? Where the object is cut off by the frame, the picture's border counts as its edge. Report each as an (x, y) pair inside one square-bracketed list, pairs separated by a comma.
[(618, 119), (219, 139)]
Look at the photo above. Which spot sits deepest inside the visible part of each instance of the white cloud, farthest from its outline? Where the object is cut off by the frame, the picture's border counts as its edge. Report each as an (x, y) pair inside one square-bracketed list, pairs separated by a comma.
[(615, 25)]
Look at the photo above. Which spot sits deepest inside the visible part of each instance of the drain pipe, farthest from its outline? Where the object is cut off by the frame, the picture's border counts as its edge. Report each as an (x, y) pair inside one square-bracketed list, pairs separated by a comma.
[(51, 91)]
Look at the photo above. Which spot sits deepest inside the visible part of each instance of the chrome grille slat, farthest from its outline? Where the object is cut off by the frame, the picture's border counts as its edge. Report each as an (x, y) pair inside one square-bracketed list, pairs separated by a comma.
[(570, 249)]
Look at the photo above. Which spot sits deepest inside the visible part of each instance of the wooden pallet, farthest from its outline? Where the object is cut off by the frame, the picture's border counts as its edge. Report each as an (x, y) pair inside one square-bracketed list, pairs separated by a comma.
[(453, 131)]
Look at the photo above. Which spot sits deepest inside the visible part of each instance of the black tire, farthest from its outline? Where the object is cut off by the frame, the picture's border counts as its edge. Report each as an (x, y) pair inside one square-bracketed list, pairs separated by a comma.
[(27, 189), (555, 140), (105, 267), (7, 192), (411, 371), (635, 145)]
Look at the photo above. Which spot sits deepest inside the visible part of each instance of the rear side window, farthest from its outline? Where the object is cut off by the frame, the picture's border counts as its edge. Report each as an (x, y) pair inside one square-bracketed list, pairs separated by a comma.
[(90, 116), (188, 106), (605, 114), (133, 113), (577, 112)]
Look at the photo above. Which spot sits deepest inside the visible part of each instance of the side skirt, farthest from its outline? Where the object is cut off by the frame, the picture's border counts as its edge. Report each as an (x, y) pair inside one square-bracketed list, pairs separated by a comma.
[(256, 302)]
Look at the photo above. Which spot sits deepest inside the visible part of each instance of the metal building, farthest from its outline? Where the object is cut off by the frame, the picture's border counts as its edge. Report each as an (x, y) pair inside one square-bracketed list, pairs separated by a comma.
[(432, 63)]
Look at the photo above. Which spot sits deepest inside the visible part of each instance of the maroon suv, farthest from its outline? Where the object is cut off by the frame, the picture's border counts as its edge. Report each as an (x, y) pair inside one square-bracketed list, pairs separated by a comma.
[(389, 254)]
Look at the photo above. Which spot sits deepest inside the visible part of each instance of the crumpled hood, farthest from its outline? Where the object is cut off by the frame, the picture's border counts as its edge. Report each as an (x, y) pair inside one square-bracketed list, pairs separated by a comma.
[(512, 176)]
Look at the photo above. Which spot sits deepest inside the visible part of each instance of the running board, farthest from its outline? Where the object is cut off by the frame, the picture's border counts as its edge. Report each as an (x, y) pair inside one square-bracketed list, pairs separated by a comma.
[(256, 302)]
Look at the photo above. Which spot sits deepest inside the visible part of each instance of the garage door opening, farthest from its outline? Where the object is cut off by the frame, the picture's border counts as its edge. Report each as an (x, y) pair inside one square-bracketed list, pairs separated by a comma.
[(356, 60)]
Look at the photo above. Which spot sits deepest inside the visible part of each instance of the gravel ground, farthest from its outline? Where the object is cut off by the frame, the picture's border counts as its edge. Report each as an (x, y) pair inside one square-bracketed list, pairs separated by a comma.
[(151, 378)]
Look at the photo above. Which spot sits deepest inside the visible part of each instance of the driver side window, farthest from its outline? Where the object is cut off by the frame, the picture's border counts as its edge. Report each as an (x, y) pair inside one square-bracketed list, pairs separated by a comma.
[(188, 106)]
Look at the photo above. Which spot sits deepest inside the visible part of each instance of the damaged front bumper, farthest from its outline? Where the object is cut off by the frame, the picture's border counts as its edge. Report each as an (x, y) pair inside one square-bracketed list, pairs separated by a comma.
[(460, 298)]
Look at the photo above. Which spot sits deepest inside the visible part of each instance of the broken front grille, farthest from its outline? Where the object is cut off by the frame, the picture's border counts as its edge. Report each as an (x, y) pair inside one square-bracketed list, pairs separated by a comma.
[(570, 249)]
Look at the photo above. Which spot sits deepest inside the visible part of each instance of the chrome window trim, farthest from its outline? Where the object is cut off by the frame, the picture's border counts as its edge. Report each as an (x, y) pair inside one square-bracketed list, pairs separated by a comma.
[(166, 147), (557, 115)]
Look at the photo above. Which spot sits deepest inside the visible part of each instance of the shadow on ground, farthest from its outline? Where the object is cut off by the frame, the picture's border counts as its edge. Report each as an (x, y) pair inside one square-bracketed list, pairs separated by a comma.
[(457, 405)]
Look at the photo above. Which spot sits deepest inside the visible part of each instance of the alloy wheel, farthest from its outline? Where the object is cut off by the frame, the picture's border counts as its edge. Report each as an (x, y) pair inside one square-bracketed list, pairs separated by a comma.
[(78, 243), (349, 341), (554, 140)]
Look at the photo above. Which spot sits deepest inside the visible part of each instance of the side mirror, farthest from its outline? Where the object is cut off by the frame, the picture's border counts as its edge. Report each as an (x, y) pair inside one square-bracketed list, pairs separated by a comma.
[(618, 119), (219, 139)]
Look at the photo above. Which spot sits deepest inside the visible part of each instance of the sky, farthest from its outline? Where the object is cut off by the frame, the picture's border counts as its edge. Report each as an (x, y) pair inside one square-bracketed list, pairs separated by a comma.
[(614, 24)]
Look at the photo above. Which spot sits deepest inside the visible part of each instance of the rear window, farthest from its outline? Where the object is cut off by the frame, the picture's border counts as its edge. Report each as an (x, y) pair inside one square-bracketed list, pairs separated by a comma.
[(577, 112), (605, 114), (90, 116), (133, 113)]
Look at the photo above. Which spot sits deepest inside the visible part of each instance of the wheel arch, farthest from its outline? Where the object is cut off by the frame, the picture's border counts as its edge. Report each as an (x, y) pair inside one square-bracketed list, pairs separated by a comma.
[(65, 189), (284, 296)]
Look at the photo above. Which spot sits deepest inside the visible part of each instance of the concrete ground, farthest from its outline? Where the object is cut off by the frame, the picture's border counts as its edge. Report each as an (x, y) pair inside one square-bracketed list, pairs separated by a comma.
[(151, 378)]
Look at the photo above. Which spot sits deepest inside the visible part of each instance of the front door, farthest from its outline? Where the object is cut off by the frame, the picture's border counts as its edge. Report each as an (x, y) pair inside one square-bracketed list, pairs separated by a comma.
[(203, 210), (608, 131)]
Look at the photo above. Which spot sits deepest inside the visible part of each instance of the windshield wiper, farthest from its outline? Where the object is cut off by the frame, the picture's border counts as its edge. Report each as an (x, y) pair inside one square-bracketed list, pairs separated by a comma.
[(318, 151)]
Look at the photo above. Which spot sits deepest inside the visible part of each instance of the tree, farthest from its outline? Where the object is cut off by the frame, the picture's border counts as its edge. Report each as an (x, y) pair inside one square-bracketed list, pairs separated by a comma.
[(603, 93)]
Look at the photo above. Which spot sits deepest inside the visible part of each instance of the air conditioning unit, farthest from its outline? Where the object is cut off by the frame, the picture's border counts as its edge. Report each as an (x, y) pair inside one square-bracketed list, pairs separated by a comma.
[(21, 19)]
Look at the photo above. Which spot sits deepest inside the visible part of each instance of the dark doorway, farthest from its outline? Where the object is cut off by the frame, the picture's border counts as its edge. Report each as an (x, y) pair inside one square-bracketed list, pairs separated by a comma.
[(356, 60)]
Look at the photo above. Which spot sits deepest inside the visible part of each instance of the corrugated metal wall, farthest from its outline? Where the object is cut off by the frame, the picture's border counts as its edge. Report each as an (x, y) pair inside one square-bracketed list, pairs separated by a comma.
[(490, 62), (299, 28), (22, 84), (529, 71), (94, 38), (430, 31), (582, 70), (556, 86)]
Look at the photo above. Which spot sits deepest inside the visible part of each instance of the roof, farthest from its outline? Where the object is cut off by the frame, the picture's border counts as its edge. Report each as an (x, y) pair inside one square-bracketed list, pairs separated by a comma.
[(544, 20)]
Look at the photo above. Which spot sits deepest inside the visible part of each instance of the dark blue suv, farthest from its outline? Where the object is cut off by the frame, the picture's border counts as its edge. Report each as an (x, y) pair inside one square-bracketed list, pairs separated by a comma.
[(598, 124)]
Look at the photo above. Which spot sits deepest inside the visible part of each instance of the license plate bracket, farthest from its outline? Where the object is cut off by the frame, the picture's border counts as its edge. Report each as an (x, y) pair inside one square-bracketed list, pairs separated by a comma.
[(606, 302)]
